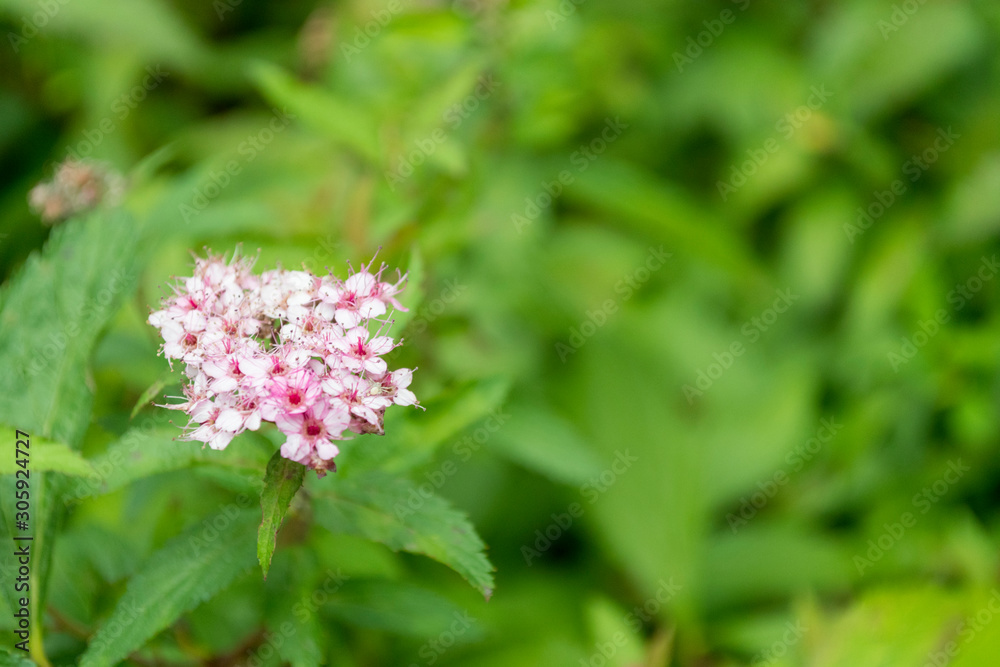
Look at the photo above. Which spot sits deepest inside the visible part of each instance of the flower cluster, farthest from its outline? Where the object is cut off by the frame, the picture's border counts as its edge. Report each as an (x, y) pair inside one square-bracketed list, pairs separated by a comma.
[(286, 347), (77, 186)]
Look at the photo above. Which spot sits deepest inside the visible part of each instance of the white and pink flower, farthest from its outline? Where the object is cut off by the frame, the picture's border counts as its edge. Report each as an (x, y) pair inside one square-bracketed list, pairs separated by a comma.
[(285, 347)]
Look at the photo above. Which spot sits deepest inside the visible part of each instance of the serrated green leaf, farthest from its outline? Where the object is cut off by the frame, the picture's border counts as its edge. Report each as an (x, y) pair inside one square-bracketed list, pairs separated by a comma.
[(44, 456), (9, 659), (51, 314), (389, 510), (281, 482), (188, 570), (143, 452)]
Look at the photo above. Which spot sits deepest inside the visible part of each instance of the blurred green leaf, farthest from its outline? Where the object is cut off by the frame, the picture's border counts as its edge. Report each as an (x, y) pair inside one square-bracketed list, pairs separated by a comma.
[(152, 392), (402, 609), (151, 28), (546, 444), (661, 211), (335, 118), (44, 456)]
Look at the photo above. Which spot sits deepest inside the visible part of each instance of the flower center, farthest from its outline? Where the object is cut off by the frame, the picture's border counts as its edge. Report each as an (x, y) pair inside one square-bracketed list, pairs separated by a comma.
[(313, 429), (294, 398)]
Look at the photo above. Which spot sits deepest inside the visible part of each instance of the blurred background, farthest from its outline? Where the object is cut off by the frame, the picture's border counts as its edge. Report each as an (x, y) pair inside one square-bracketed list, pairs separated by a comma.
[(703, 294)]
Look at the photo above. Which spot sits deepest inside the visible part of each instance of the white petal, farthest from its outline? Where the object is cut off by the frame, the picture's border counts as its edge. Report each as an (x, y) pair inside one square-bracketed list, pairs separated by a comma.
[(405, 397), (221, 440), (229, 420), (375, 365), (380, 345), (326, 450)]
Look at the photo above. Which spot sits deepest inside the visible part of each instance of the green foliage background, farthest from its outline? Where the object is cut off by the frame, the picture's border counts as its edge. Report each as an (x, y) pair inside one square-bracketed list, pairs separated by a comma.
[(793, 498)]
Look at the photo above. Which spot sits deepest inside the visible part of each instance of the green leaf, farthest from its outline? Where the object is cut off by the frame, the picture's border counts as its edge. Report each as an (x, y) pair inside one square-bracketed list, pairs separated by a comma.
[(411, 442), (320, 109), (153, 30), (546, 444), (188, 570), (142, 452), (292, 584), (402, 609), (901, 626), (44, 456), (389, 510), (10, 659), (651, 206), (51, 313), (281, 482), (152, 392), (431, 108)]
